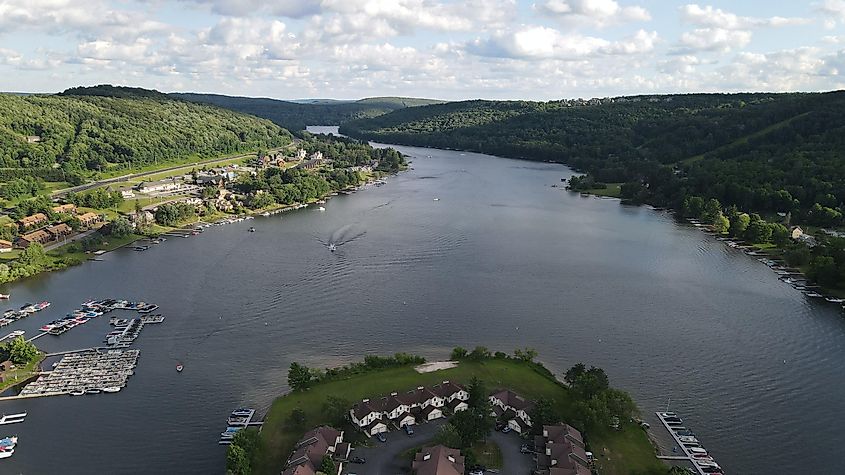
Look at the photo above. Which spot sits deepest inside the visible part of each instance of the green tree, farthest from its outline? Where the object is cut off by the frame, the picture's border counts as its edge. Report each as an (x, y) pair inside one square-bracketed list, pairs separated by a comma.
[(478, 395), (299, 376), (336, 409), (738, 224), (527, 354), (21, 351), (327, 466), (458, 353), (297, 418), (541, 414), (120, 227), (237, 462), (33, 255), (479, 353)]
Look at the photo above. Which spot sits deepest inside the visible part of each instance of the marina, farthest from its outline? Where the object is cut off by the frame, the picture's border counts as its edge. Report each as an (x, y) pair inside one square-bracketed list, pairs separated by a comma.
[(27, 309), (87, 372), (691, 449)]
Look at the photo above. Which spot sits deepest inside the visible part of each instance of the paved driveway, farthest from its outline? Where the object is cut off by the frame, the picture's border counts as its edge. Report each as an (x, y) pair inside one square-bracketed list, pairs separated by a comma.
[(386, 458), (513, 462)]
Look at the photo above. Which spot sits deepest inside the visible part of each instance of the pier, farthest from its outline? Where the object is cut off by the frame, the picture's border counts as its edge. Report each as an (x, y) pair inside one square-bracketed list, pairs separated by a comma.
[(88, 372), (693, 452)]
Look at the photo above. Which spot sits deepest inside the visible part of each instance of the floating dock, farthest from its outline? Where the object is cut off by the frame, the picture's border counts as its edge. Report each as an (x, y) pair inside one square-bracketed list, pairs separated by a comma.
[(90, 372), (691, 449), (238, 420)]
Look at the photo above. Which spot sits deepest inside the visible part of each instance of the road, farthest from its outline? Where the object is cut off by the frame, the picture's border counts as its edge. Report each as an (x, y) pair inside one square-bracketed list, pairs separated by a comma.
[(82, 235), (131, 176), (386, 458)]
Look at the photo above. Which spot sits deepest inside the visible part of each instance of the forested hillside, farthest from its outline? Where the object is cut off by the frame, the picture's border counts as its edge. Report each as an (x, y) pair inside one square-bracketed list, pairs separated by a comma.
[(296, 115), (76, 134), (743, 149)]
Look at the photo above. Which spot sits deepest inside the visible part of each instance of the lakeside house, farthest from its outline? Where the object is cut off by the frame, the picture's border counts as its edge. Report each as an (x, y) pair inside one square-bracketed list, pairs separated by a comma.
[(560, 451), (141, 218), (169, 184), (40, 237), (89, 219), (65, 208), (399, 410), (58, 231), (795, 232), (438, 460), (313, 446), (513, 408), (36, 219), (5, 246)]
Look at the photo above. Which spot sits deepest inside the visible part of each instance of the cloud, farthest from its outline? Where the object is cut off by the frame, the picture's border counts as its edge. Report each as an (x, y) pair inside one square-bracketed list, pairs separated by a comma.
[(540, 42), (831, 11), (591, 12), (239, 8), (713, 39), (711, 17)]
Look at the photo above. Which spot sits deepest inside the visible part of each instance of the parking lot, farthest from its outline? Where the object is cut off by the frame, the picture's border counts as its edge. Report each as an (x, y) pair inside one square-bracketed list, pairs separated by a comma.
[(386, 458)]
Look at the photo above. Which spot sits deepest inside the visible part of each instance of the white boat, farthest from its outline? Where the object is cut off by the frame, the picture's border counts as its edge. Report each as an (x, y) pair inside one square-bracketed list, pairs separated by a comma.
[(332, 247), (321, 208), (179, 367), (12, 418), (436, 199), (6, 453), (77, 392), (5, 296), (111, 389)]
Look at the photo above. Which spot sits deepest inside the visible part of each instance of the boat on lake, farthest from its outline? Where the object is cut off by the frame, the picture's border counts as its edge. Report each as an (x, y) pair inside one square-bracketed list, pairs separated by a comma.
[(12, 418), (5, 296), (179, 367), (332, 247)]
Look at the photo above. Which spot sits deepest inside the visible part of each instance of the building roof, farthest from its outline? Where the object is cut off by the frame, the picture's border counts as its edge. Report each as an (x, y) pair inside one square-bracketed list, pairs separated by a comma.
[(305, 469), (35, 236), (364, 408), (447, 388), (455, 403), (374, 424), (559, 432), (59, 228), (429, 409), (4, 243), (327, 434), (64, 208), (33, 219), (438, 460), (577, 470), (514, 400), (416, 396), (88, 216)]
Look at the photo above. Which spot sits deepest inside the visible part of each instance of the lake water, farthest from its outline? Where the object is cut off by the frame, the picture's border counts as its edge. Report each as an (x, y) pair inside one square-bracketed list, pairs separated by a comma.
[(502, 259)]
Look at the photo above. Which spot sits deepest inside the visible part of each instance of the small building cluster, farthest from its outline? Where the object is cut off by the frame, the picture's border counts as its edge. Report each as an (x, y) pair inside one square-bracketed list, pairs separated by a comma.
[(37, 228), (513, 409), (323, 441), (418, 405), (438, 460), (561, 451)]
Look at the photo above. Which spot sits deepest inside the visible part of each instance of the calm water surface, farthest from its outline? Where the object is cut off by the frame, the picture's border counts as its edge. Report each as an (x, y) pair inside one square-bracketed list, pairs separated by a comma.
[(502, 260)]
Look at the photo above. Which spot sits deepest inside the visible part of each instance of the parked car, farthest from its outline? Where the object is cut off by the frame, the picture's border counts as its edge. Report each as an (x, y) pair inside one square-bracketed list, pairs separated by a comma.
[(381, 438), (506, 429), (409, 430), (357, 459)]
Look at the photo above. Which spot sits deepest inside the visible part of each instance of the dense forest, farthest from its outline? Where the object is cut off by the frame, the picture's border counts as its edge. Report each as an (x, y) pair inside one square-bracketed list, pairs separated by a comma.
[(298, 115), (749, 164), (67, 136)]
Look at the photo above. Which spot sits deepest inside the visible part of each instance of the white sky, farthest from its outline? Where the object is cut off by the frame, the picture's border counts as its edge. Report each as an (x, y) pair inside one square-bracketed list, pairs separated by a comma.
[(544, 49)]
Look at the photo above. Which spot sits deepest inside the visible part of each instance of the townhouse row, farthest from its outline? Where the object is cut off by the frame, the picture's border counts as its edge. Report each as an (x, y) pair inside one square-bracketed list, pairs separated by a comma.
[(419, 405)]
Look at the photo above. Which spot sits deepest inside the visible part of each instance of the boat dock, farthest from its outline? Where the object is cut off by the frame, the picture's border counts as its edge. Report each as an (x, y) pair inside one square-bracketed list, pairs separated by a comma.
[(12, 335), (692, 451), (238, 420), (127, 330), (88, 372)]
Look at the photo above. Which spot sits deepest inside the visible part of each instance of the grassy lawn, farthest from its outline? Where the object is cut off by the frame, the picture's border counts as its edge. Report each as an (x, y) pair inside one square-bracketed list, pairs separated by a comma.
[(109, 244), (613, 190), (21, 373), (487, 454), (278, 437), (11, 255), (625, 451)]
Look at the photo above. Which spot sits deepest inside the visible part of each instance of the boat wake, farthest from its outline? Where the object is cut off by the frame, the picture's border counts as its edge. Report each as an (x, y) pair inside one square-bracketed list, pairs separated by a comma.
[(344, 235)]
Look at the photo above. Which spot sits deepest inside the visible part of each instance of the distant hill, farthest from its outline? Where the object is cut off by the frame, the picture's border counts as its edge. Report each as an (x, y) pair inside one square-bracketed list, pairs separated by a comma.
[(296, 115), (82, 130), (761, 152)]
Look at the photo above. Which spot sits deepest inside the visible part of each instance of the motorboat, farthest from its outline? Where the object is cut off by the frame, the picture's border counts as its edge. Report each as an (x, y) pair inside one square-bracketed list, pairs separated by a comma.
[(321, 208), (111, 389), (5, 296), (77, 392), (12, 418), (9, 442), (332, 247), (179, 367), (252, 229), (92, 391), (6, 453)]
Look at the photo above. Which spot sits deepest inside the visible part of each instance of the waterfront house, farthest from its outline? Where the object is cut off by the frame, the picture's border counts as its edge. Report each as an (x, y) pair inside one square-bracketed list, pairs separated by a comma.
[(141, 218), (438, 460), (65, 208), (560, 450), (795, 232), (127, 194), (34, 220), (513, 408), (58, 231), (40, 237), (89, 219), (300, 154), (5, 246), (160, 186), (313, 446), (400, 409)]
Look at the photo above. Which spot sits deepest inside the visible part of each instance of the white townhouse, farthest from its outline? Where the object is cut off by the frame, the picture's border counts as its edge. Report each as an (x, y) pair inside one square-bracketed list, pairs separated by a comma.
[(512, 407), (402, 409)]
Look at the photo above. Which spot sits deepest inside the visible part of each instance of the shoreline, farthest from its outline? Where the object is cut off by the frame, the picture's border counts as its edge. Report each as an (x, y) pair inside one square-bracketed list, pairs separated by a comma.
[(188, 227)]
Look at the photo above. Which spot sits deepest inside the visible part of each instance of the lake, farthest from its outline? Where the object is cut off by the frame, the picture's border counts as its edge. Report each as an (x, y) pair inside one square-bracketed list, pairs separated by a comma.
[(500, 259)]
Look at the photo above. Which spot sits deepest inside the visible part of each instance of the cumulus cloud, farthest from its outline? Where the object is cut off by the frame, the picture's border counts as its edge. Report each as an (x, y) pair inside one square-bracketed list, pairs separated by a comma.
[(591, 12), (713, 39), (832, 11), (539, 42), (284, 8)]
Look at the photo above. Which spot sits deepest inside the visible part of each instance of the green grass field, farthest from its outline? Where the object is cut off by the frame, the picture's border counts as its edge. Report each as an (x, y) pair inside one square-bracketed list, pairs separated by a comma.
[(613, 190), (278, 438)]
